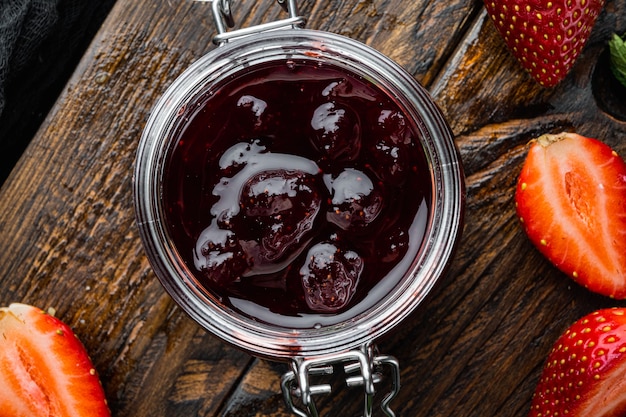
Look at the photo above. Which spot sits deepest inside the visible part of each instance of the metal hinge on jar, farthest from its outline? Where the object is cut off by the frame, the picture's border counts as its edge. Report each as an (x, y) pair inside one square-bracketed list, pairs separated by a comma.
[(364, 368), (222, 13)]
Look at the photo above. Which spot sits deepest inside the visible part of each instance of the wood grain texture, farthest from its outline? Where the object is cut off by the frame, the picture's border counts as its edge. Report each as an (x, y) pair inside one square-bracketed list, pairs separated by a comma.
[(475, 348)]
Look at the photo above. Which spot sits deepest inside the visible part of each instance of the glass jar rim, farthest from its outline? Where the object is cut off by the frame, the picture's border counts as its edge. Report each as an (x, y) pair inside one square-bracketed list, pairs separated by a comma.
[(445, 219)]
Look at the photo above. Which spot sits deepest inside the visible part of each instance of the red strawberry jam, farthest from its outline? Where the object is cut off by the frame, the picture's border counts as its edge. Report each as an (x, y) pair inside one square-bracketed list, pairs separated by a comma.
[(297, 193)]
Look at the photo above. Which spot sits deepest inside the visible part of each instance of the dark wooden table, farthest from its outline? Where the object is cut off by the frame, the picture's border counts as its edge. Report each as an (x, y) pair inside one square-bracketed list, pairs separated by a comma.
[(476, 348)]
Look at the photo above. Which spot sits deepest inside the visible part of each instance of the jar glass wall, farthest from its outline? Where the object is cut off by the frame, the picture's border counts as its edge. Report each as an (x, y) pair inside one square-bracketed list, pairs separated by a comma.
[(422, 269)]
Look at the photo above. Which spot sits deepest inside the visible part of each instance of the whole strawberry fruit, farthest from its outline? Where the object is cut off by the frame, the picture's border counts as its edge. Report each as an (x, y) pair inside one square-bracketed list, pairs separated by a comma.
[(546, 37), (584, 373)]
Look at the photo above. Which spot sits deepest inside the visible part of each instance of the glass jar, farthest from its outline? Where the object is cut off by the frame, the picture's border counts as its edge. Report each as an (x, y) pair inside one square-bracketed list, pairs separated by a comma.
[(349, 341)]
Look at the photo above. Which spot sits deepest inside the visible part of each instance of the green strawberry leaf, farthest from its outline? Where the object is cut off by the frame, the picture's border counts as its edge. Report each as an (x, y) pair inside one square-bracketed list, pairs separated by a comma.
[(617, 47)]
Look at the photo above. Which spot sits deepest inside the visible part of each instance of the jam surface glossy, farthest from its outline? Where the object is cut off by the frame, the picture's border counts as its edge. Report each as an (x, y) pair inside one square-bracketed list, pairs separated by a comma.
[(297, 193)]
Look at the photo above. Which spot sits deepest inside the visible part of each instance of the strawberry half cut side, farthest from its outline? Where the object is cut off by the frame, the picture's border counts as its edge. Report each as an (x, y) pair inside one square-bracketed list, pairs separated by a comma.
[(44, 368), (584, 373), (571, 201), (546, 37)]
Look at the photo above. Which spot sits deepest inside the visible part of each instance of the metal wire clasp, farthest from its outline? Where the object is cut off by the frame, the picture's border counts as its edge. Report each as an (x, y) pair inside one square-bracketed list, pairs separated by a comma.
[(362, 367), (222, 13)]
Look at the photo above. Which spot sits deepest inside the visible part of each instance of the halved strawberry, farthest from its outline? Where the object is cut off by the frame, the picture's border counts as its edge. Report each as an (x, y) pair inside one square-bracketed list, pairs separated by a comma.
[(546, 37), (571, 200), (44, 368), (584, 372)]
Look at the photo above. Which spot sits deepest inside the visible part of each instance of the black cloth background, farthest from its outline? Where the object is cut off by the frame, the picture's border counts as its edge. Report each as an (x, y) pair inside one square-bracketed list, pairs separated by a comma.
[(41, 41)]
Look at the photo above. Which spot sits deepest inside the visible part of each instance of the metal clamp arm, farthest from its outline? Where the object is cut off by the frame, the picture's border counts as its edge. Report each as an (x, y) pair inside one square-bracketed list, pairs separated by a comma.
[(222, 13), (369, 366)]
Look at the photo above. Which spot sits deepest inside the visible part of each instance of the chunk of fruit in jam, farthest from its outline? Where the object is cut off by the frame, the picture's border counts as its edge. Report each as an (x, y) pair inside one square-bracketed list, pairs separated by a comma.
[(392, 245), (279, 208), (219, 256), (390, 151), (337, 132), (393, 125), (355, 201), (330, 275), (261, 157), (252, 116)]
